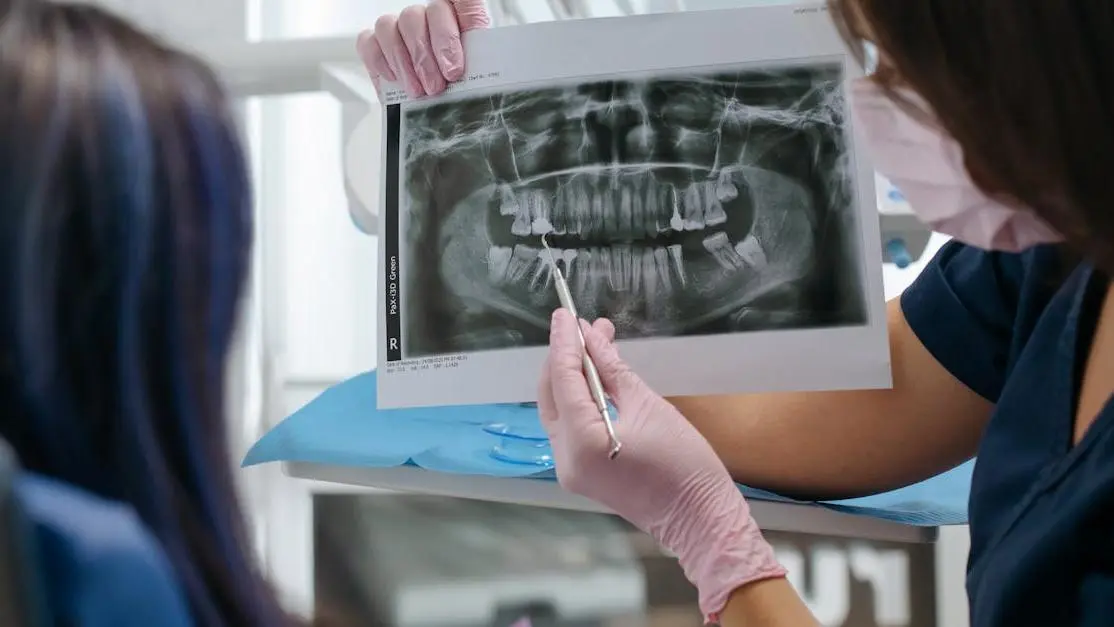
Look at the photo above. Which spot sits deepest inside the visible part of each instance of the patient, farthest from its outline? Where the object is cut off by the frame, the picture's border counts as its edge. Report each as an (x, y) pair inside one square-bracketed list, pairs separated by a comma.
[(126, 226)]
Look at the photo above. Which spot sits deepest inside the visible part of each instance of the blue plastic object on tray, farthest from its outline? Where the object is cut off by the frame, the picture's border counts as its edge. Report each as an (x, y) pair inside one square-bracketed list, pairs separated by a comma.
[(342, 427)]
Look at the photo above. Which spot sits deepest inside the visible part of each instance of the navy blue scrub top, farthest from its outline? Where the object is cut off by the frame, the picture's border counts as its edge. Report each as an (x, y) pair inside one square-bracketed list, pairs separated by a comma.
[(1017, 330)]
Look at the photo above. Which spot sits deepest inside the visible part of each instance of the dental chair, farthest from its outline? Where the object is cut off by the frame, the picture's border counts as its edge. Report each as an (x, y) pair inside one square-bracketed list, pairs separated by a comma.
[(69, 558)]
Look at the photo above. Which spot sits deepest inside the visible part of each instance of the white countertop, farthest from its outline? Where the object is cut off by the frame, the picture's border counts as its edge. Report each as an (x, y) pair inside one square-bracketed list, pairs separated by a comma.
[(771, 515)]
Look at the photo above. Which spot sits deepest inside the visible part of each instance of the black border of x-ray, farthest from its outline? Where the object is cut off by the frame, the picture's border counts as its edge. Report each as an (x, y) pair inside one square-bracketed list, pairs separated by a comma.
[(389, 237)]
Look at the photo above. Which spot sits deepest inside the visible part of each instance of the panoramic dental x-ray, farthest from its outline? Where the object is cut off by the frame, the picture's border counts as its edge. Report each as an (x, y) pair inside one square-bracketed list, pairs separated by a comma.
[(695, 203)]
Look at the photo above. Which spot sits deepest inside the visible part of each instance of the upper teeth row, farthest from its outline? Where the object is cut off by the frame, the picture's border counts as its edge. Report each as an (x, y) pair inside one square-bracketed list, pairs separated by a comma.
[(592, 207)]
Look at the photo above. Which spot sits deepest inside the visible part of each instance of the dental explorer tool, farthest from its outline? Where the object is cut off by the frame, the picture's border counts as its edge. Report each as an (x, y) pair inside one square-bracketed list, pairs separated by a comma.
[(595, 385)]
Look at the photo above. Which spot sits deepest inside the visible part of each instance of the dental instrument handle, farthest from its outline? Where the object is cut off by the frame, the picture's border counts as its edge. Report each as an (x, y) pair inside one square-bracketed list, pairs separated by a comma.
[(595, 384)]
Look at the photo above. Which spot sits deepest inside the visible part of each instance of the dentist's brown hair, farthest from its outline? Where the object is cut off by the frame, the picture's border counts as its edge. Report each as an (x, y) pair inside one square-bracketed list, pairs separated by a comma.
[(1027, 90)]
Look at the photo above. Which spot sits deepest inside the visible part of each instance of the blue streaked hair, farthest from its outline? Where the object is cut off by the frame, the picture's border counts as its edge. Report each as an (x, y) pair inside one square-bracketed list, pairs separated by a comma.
[(125, 236)]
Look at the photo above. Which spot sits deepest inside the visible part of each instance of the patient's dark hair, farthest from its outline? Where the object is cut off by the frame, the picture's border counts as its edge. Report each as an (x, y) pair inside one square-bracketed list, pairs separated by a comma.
[(1026, 88), (125, 231)]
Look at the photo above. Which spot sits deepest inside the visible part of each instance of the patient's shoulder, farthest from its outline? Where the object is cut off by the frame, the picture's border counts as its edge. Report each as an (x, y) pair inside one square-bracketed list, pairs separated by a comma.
[(100, 563)]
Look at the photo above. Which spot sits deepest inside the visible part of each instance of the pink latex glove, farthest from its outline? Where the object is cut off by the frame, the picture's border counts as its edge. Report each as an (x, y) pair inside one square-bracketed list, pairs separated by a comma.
[(667, 480), (420, 48)]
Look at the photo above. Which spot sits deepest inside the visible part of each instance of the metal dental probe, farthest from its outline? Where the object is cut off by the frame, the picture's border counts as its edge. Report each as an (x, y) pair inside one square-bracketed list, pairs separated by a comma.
[(595, 385)]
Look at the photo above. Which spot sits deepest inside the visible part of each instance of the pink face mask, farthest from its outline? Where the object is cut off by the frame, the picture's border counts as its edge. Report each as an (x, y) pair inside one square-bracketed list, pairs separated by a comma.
[(926, 165)]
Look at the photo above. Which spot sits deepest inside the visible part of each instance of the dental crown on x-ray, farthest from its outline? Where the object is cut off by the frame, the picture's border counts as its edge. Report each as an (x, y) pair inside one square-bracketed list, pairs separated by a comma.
[(671, 201)]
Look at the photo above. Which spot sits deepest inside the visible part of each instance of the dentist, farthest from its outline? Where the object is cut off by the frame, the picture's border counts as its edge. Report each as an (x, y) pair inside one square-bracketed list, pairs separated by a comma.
[(996, 120)]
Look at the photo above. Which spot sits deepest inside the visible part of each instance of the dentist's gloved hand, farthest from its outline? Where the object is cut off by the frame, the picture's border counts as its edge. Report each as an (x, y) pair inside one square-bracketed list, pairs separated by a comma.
[(667, 480), (420, 48)]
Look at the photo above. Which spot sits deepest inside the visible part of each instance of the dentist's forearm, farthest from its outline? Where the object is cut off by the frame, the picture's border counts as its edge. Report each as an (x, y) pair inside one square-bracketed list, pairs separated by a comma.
[(833, 445), (767, 603)]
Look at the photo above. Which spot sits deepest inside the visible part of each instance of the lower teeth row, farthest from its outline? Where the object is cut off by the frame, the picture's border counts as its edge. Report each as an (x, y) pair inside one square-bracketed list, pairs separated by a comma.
[(621, 268)]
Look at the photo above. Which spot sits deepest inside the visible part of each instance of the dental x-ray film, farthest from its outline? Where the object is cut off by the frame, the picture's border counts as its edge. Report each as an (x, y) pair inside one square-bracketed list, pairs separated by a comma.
[(698, 178)]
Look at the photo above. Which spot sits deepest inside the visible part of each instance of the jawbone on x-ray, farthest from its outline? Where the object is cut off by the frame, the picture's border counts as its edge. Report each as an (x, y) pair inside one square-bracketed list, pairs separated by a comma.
[(696, 203)]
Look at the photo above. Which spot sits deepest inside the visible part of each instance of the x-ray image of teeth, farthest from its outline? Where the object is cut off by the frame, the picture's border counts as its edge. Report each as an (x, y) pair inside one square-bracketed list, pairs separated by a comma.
[(683, 204)]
